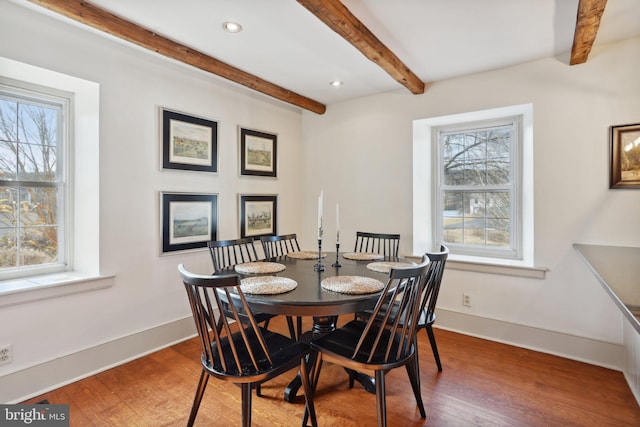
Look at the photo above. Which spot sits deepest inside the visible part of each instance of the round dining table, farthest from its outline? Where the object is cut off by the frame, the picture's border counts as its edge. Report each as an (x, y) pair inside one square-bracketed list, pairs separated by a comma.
[(309, 298)]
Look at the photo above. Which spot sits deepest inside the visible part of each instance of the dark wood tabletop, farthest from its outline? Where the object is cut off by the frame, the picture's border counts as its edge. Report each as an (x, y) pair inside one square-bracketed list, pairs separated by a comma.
[(309, 298)]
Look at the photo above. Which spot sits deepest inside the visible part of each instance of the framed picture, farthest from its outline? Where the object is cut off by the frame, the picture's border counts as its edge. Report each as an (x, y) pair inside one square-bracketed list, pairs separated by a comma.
[(188, 220), (258, 153), (189, 143), (625, 156), (258, 215)]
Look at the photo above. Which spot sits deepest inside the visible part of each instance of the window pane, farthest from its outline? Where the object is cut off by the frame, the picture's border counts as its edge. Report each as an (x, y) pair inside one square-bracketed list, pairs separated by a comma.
[(498, 232), (38, 124), (8, 207), (36, 162), (38, 245), (8, 120), (8, 247), (8, 161), (38, 206)]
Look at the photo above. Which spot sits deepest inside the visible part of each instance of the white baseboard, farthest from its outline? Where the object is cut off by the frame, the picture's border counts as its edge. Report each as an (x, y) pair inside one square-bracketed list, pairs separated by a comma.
[(27, 383), (588, 350)]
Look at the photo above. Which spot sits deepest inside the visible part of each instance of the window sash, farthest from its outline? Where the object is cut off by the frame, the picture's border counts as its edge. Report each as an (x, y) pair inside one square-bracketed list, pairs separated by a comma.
[(57, 222)]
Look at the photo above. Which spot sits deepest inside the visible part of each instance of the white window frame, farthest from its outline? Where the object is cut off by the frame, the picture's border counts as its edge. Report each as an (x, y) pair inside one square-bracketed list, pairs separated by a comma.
[(24, 93), (425, 177), (514, 251), (84, 184)]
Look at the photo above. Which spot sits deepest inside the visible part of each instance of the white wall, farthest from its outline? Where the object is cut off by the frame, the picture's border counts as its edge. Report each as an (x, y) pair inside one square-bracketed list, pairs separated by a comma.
[(134, 83), (360, 151)]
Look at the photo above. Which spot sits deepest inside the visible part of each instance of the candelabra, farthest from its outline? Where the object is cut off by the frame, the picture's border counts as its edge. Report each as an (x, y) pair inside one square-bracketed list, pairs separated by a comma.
[(337, 263), (319, 265)]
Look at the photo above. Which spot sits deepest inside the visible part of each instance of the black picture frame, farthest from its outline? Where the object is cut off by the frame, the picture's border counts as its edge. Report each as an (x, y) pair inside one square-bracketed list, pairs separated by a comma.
[(188, 142), (625, 156), (258, 153), (258, 215), (188, 220)]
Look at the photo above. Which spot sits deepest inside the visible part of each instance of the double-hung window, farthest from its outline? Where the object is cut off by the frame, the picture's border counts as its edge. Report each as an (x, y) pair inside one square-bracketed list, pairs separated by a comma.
[(33, 191), (477, 188), (475, 194)]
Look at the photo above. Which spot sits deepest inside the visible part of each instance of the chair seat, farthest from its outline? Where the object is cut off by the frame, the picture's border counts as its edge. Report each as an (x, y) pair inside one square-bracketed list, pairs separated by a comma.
[(285, 354), (341, 342)]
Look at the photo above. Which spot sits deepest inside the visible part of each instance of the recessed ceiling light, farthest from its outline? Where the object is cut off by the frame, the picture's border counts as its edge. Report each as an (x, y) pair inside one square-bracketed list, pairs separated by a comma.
[(336, 83), (232, 27)]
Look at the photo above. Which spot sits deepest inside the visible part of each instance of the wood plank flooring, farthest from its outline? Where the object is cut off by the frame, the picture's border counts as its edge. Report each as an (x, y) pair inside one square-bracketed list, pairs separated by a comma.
[(483, 383)]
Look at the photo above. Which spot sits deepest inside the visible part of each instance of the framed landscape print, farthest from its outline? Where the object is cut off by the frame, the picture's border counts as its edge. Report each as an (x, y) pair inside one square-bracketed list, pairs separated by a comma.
[(625, 156), (258, 215), (188, 221), (189, 143), (258, 153)]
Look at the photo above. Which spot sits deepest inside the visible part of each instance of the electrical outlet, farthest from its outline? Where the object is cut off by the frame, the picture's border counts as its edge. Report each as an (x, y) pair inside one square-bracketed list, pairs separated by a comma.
[(5, 354), (466, 300)]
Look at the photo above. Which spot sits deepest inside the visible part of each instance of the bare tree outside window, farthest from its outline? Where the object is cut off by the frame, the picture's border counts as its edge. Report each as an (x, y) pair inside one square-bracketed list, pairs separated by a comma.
[(30, 182)]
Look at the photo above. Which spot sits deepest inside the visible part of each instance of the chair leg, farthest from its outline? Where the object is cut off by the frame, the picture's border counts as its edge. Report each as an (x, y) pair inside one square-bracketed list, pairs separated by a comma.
[(434, 346), (202, 385), (246, 404), (414, 379), (292, 330), (309, 409), (314, 375), (381, 401)]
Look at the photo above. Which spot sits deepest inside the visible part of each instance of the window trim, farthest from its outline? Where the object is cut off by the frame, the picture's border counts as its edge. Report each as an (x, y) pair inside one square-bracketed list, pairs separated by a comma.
[(85, 214), (424, 176)]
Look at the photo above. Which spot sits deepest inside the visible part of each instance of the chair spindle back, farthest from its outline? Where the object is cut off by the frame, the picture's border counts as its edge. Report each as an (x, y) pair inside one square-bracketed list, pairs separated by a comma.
[(384, 244), (275, 246), (229, 350), (225, 253), (379, 343)]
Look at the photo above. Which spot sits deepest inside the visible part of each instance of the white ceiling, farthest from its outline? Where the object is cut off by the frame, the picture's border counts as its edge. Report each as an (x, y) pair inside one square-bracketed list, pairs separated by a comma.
[(285, 44)]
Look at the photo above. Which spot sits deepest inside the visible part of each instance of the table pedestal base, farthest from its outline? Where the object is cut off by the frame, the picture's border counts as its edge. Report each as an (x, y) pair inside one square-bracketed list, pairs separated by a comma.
[(321, 326)]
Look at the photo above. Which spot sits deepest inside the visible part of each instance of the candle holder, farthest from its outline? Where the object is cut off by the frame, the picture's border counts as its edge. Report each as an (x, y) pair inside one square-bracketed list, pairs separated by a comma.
[(337, 263), (319, 265)]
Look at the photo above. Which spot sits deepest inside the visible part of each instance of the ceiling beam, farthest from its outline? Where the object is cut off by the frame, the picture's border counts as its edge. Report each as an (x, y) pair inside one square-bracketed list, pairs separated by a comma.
[(98, 18), (587, 23), (342, 21)]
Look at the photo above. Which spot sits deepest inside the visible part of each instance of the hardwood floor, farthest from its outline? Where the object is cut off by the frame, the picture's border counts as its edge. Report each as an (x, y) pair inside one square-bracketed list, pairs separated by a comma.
[(483, 383)]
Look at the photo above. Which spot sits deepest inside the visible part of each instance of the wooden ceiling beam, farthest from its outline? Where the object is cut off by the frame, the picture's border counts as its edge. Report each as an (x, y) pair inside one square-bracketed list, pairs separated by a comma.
[(98, 18), (336, 15), (587, 23)]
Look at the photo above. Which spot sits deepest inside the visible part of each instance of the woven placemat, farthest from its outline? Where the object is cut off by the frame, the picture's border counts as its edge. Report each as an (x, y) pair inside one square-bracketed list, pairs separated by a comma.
[(267, 285), (305, 255), (385, 267), (259, 267), (352, 284), (363, 256)]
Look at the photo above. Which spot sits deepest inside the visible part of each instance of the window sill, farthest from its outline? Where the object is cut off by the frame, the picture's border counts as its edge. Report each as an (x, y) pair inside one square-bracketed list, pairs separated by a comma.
[(18, 291), (505, 269)]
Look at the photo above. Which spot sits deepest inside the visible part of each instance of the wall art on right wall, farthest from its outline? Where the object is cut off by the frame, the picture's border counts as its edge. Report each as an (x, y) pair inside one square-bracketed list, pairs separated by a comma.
[(625, 156)]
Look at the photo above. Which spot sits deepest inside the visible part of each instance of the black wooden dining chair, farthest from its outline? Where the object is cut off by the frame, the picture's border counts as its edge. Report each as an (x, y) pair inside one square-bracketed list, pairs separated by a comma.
[(437, 261), (381, 346), (243, 352), (380, 243), (275, 246), (227, 253)]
